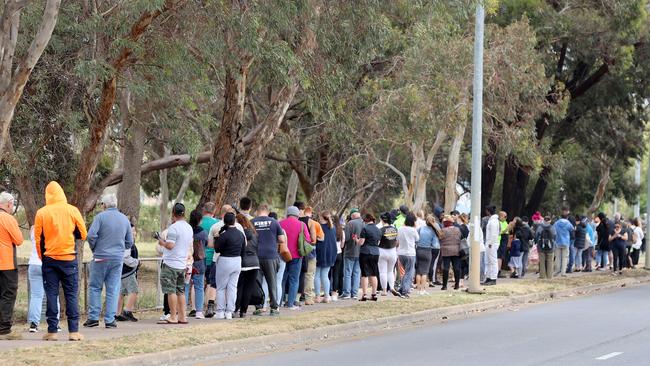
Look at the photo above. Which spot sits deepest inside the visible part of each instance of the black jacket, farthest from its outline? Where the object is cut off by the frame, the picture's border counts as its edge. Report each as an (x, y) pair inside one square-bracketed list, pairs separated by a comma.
[(230, 243), (250, 259), (581, 236)]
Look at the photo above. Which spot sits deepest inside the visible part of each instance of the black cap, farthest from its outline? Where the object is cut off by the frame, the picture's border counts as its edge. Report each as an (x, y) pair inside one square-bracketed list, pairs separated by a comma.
[(179, 209)]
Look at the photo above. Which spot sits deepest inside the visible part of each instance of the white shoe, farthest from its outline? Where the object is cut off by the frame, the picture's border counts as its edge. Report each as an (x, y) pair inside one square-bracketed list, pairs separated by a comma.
[(228, 316), (220, 315), (295, 308), (165, 317), (199, 315)]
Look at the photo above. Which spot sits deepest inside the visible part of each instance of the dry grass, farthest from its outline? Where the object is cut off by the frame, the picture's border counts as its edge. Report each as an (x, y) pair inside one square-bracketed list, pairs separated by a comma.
[(149, 342)]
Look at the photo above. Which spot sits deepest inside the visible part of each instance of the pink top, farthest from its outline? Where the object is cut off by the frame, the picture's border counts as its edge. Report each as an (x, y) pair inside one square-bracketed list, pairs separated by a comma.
[(291, 227)]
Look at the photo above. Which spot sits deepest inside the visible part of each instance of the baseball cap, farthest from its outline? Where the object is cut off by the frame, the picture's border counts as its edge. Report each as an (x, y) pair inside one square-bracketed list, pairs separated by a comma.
[(354, 210), (179, 209), (293, 211)]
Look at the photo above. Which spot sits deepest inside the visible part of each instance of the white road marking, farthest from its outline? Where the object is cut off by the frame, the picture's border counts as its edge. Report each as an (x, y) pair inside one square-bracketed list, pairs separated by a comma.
[(609, 355)]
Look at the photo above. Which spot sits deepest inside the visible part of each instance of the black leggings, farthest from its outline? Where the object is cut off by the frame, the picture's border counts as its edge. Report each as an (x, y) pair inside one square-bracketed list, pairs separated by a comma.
[(245, 288), (620, 256), (455, 261)]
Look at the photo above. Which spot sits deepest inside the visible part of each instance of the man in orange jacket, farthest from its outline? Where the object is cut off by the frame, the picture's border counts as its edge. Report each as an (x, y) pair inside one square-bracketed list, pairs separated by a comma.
[(10, 237), (57, 226)]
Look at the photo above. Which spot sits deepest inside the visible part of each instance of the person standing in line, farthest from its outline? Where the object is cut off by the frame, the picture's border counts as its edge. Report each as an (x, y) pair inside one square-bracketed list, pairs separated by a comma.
[(420, 221), (250, 267), (492, 239), (230, 245), (526, 245), (56, 227), (545, 239), (579, 243), (588, 254), (602, 247), (175, 253), (270, 237), (427, 248), (245, 206), (369, 256), (336, 273), (617, 241), (10, 238), (129, 285), (461, 221), (316, 233), (401, 217), (325, 258), (637, 241), (387, 255), (282, 265), (293, 228), (564, 232), (199, 243), (449, 251), (207, 222), (109, 236), (519, 235), (502, 252), (407, 236), (352, 269), (36, 290)]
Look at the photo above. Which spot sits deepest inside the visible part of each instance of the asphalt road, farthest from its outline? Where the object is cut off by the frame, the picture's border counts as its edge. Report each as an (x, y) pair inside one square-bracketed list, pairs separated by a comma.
[(605, 329)]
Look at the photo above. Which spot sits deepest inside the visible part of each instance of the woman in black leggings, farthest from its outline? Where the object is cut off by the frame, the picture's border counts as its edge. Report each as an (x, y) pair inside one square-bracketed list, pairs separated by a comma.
[(617, 242)]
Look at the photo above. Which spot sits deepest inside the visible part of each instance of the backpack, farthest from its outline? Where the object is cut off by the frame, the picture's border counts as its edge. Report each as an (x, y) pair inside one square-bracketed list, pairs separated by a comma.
[(546, 241)]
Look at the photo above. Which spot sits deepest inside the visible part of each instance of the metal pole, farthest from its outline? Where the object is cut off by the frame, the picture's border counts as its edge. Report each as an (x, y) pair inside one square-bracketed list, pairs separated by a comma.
[(637, 181), (477, 155), (647, 222)]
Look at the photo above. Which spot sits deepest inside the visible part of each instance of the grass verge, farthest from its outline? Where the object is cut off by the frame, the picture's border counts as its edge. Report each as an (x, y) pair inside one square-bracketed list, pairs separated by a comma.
[(155, 341)]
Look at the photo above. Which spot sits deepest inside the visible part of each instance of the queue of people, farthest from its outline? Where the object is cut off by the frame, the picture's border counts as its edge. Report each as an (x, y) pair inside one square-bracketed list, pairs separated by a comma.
[(219, 267)]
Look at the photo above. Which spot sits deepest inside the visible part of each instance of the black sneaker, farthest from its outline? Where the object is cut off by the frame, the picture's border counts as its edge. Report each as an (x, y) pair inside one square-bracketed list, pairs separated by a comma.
[(33, 327), (121, 317), (209, 312), (113, 324), (91, 323), (192, 314), (129, 316)]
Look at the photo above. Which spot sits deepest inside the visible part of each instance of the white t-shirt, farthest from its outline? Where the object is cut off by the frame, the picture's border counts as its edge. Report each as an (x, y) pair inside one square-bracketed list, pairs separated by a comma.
[(180, 233), (407, 236), (639, 237), (34, 258)]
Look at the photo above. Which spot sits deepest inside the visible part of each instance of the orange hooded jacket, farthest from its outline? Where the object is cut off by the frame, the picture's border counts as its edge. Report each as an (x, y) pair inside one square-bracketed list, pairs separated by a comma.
[(57, 225), (10, 237)]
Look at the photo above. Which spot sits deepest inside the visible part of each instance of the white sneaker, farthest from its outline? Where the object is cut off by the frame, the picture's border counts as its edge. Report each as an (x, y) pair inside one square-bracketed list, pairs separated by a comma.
[(199, 315), (165, 317), (220, 315), (295, 308), (228, 316)]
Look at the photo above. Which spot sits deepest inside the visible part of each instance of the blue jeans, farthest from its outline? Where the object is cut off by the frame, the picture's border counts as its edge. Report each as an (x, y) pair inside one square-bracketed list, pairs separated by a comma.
[(572, 254), (351, 276), (108, 273), (36, 293), (65, 273), (482, 267), (408, 262), (602, 258), (278, 279), (198, 281), (322, 277), (578, 258), (292, 275)]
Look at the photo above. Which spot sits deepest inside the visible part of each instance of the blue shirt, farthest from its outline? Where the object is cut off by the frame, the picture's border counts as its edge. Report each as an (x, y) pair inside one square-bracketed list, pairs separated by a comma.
[(268, 230), (591, 233), (428, 238), (563, 228), (110, 235)]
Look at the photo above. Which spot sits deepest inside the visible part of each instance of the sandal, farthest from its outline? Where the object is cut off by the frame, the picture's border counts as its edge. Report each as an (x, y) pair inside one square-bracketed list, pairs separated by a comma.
[(165, 322)]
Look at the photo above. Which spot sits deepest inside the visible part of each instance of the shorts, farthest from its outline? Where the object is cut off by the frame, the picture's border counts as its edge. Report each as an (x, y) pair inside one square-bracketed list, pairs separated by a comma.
[(369, 265), (172, 280), (129, 285), (208, 270), (423, 261), (212, 276)]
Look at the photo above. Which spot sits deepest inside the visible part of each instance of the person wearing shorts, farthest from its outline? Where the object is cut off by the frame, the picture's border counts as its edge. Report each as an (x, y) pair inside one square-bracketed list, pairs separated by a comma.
[(369, 256)]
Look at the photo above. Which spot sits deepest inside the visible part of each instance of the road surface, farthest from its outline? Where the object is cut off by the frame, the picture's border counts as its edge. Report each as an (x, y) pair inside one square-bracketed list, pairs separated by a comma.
[(605, 329)]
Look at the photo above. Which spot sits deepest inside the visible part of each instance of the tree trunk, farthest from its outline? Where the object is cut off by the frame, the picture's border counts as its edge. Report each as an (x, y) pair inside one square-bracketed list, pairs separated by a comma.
[(164, 195), (605, 169), (128, 193), (508, 196), (292, 189), (451, 179), (180, 196), (489, 173), (92, 151), (536, 197), (13, 82), (24, 183)]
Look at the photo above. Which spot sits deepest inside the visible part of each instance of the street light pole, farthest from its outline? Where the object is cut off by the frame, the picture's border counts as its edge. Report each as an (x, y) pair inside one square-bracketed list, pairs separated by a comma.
[(477, 155)]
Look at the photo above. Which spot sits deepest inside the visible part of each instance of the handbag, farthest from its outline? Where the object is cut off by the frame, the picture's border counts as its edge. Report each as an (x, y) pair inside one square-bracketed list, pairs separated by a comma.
[(284, 252), (304, 247)]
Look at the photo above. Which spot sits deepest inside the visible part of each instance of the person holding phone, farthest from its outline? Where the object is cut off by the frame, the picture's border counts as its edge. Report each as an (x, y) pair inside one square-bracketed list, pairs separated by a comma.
[(617, 242)]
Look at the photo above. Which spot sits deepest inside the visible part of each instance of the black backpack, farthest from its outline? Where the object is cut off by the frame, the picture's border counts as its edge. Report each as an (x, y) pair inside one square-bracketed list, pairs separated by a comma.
[(546, 241)]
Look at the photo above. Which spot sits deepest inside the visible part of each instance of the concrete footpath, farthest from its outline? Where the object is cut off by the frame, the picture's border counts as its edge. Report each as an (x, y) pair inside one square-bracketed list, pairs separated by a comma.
[(225, 350)]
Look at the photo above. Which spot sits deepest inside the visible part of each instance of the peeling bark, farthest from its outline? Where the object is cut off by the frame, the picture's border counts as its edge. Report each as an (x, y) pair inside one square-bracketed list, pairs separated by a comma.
[(451, 178)]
